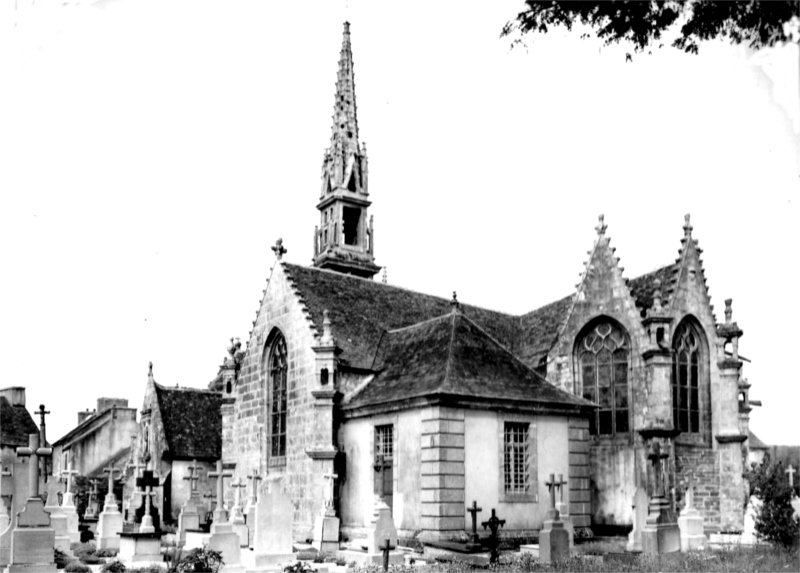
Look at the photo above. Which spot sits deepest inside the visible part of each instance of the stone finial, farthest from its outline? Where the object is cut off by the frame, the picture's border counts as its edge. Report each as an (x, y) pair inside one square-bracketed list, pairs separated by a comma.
[(279, 249), (327, 335), (657, 296), (728, 310), (601, 225), (687, 226), (454, 302)]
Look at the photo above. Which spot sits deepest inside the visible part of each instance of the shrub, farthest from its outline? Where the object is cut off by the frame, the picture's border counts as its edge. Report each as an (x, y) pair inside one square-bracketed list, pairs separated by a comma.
[(298, 567), (77, 567), (200, 559), (775, 521), (113, 567), (61, 559), (307, 555), (105, 553)]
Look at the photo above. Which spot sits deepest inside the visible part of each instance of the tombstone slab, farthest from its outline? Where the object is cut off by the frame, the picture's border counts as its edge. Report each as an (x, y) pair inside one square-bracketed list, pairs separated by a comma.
[(69, 510), (563, 511), (140, 547), (690, 523), (274, 514), (640, 505), (660, 533), (553, 542)]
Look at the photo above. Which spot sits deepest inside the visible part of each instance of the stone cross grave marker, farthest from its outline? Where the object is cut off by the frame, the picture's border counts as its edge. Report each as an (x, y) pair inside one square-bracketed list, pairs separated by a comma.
[(34, 452), (329, 493), (656, 455), (93, 495), (194, 475), (237, 498), (380, 468), (68, 505), (146, 483), (43, 438), (110, 497), (552, 513), (68, 473), (790, 470), (494, 524), (255, 478), (474, 539), (560, 485), (4, 517), (385, 549), (220, 515)]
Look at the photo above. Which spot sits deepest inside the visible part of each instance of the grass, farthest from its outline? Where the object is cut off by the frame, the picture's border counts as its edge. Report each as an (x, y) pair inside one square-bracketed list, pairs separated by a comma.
[(588, 558)]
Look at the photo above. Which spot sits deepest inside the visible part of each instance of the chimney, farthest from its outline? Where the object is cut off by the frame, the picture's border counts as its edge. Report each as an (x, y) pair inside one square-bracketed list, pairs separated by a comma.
[(15, 395), (104, 404), (83, 416)]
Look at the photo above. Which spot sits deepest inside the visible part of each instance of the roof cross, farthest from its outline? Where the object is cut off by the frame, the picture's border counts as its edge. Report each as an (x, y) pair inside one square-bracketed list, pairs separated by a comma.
[(279, 249)]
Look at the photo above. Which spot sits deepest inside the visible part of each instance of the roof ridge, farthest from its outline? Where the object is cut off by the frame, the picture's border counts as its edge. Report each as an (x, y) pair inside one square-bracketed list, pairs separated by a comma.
[(418, 324), (453, 316), (396, 287), (261, 303)]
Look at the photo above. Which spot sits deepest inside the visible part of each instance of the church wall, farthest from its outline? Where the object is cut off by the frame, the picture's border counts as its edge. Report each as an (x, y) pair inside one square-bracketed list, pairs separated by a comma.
[(357, 492), (612, 482), (700, 464), (281, 308), (483, 437)]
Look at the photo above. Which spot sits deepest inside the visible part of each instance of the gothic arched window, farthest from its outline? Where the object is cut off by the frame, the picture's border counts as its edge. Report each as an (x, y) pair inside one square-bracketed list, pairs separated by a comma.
[(603, 354), (277, 370), (687, 362)]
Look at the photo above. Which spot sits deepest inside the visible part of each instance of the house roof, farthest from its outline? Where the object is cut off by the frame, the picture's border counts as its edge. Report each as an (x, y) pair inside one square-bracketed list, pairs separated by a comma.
[(452, 355), (538, 330), (192, 422), (16, 424), (93, 421)]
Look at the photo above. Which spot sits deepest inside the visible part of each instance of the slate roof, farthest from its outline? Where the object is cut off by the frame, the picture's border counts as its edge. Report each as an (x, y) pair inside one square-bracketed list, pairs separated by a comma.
[(538, 331), (362, 311), (643, 287), (452, 356), (192, 422), (15, 424)]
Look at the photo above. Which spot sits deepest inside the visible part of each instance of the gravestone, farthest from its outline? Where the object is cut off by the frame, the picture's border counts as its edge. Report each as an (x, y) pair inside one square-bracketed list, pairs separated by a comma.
[(640, 504), (109, 525), (16, 489), (236, 518), (748, 536), (250, 510), (690, 523), (58, 520), (660, 533), (380, 529), (274, 514), (189, 517), (326, 525), (68, 506), (553, 539), (33, 540), (6, 485), (149, 523), (474, 542), (494, 524), (223, 538), (563, 511)]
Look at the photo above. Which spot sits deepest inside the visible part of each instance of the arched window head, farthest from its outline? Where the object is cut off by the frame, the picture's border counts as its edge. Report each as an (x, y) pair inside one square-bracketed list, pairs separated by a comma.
[(277, 369), (603, 355), (687, 367)]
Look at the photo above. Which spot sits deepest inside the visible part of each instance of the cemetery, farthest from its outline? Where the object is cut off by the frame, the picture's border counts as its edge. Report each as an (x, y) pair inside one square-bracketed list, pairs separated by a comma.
[(364, 427)]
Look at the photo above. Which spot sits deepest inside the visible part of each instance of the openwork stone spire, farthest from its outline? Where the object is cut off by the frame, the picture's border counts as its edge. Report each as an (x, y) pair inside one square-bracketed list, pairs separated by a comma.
[(344, 239)]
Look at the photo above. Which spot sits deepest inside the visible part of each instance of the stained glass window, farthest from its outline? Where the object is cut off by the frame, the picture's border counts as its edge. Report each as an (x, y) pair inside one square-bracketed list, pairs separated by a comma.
[(278, 370), (686, 380), (603, 358)]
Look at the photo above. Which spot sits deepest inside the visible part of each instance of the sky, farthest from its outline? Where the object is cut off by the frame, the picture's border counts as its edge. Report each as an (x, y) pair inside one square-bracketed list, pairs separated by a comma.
[(153, 151)]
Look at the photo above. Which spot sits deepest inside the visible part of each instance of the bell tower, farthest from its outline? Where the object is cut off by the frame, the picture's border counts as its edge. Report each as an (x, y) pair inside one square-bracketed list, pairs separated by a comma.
[(344, 238)]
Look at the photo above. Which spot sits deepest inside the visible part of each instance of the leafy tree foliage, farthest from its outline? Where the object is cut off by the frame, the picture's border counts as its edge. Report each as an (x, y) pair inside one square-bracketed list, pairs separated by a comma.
[(774, 519), (758, 23)]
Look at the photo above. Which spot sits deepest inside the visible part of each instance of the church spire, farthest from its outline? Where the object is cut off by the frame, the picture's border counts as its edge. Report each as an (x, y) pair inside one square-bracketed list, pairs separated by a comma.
[(343, 241)]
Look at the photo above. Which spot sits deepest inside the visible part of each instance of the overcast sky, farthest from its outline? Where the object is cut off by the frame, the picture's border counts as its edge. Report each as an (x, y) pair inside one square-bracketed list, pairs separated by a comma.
[(153, 151)]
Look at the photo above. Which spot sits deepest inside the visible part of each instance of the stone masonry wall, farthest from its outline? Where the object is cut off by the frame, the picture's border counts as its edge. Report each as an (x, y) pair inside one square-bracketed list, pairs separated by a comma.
[(580, 501), (281, 309), (699, 463)]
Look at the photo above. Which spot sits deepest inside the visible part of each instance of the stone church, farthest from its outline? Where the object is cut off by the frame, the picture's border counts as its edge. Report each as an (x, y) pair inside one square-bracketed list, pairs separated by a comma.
[(432, 404)]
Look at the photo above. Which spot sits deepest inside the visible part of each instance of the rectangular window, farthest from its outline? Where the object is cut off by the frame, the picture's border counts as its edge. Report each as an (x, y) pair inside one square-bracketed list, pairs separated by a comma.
[(516, 462), (384, 462)]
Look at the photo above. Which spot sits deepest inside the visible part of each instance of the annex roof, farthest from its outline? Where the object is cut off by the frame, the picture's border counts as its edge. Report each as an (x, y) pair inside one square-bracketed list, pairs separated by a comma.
[(192, 422), (453, 356)]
